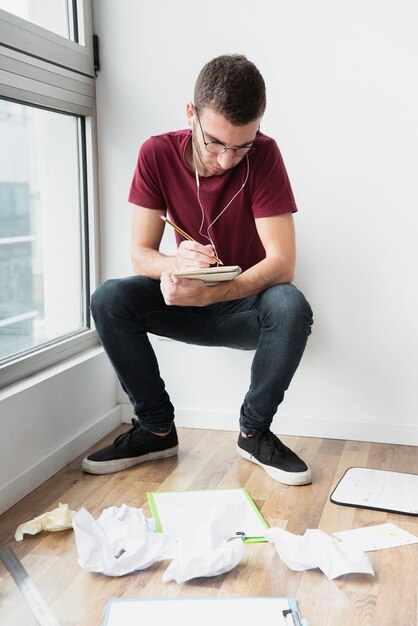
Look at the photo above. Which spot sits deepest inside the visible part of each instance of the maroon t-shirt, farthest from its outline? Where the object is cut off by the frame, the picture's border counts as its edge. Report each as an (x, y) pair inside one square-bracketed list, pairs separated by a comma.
[(164, 181)]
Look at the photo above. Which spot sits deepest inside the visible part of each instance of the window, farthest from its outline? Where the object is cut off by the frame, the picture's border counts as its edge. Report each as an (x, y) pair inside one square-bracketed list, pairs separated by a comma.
[(41, 228), (47, 185), (54, 15)]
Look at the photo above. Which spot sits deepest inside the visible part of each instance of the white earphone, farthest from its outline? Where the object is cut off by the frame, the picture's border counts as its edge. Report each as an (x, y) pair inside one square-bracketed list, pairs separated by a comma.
[(207, 236)]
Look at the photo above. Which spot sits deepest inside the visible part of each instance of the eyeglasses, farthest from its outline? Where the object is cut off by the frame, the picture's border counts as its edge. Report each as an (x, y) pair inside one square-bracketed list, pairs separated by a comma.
[(215, 147)]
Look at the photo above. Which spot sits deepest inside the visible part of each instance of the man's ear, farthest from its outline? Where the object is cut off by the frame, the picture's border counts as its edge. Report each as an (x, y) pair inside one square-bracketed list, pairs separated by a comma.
[(190, 111)]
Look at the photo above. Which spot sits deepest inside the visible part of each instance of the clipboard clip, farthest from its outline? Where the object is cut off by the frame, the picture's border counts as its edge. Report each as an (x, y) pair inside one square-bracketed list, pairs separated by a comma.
[(238, 535), (289, 614)]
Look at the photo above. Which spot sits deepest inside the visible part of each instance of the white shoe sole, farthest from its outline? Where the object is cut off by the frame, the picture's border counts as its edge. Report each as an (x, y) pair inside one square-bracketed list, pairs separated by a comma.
[(118, 465), (287, 478)]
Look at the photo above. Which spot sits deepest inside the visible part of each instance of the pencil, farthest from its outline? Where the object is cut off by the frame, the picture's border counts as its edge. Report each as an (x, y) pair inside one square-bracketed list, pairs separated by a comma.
[(184, 234)]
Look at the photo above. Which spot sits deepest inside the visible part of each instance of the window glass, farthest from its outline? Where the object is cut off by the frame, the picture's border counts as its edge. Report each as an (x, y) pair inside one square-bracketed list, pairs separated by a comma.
[(42, 259), (54, 15)]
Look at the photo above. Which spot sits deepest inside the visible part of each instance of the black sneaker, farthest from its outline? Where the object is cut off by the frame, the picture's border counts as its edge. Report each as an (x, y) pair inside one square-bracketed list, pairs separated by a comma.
[(280, 463), (133, 447)]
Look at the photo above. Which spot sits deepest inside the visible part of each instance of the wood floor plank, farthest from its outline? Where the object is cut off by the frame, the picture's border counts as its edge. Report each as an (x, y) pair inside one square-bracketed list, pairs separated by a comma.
[(208, 460)]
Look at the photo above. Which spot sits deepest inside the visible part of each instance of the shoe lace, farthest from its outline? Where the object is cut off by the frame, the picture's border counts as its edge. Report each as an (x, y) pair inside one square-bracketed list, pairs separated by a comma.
[(124, 436), (275, 445)]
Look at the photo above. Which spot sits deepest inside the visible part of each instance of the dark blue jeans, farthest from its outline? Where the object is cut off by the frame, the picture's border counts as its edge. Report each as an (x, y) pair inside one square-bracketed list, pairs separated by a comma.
[(276, 324)]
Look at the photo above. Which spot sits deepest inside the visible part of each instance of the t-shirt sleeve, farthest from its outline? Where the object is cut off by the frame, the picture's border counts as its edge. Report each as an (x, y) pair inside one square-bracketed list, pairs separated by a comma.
[(272, 192), (145, 190)]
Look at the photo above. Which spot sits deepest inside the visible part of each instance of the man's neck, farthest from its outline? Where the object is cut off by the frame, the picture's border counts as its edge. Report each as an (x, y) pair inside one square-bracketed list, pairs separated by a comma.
[(188, 154)]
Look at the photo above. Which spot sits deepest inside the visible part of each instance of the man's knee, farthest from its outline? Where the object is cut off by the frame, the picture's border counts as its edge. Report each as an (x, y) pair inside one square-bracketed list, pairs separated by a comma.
[(118, 296), (106, 296), (285, 301)]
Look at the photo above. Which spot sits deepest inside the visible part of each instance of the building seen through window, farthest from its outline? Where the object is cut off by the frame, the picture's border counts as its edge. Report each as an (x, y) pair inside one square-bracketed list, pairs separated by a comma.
[(41, 228)]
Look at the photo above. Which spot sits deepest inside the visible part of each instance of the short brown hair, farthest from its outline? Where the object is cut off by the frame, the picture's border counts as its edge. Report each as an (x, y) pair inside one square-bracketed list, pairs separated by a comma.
[(233, 86)]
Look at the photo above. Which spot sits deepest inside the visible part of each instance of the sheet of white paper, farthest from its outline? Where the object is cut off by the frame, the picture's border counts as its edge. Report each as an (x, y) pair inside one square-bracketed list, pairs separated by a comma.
[(198, 611), (377, 537), (120, 541), (180, 512), (317, 549), (203, 546), (189, 563), (203, 534)]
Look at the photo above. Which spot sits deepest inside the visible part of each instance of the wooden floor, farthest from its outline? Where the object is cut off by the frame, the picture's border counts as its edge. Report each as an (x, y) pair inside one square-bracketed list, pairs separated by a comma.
[(207, 460)]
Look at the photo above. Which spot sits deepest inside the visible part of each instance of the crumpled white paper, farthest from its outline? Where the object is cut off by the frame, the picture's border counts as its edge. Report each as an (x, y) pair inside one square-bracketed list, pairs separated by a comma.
[(205, 547), (119, 542), (317, 549), (122, 541), (58, 519)]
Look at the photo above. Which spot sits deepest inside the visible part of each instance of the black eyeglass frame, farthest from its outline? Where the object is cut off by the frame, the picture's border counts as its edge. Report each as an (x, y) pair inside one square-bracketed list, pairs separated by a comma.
[(248, 150)]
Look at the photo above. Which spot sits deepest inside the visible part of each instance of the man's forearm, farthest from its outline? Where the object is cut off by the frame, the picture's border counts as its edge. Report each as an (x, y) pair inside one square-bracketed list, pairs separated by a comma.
[(267, 273), (152, 263)]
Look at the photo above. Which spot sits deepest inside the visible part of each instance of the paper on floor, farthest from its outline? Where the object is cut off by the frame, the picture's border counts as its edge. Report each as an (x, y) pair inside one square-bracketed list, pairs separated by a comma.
[(189, 564), (122, 541), (173, 510), (59, 519), (317, 549), (203, 545), (377, 537), (119, 542)]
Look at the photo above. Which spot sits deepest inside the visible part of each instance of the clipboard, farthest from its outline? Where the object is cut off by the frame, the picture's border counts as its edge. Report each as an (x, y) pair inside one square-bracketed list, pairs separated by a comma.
[(204, 611), (380, 490), (210, 274), (165, 505)]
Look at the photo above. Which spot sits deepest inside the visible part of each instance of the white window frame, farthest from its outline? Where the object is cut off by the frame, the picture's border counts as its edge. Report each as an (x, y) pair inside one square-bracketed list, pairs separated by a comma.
[(19, 34), (41, 68)]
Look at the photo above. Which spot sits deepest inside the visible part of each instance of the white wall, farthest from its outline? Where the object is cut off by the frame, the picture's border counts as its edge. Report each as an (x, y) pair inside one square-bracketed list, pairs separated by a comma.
[(342, 103), (49, 419)]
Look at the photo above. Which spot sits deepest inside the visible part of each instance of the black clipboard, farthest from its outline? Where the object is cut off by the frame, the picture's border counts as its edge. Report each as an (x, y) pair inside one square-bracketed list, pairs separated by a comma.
[(379, 490)]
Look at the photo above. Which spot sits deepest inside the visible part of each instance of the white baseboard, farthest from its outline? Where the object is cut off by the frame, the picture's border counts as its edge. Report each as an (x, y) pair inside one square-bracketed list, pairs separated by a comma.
[(404, 434), (33, 476)]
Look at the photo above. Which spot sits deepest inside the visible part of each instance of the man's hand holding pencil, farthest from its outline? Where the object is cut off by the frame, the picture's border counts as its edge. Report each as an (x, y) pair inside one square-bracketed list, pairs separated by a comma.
[(193, 254), (193, 251), (190, 254)]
